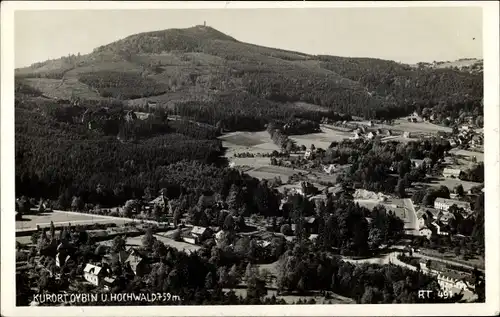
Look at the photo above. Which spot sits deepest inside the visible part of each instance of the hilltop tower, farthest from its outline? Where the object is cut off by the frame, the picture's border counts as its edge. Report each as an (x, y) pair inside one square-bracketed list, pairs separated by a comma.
[(204, 23)]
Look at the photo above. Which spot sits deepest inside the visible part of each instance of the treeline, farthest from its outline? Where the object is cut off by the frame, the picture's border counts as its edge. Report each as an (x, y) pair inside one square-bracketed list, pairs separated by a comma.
[(122, 85), (446, 90), (279, 137), (244, 112)]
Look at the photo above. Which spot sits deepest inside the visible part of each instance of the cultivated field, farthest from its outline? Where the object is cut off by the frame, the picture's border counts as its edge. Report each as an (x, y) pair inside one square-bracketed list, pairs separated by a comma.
[(43, 220), (322, 139), (63, 89), (402, 125), (261, 143)]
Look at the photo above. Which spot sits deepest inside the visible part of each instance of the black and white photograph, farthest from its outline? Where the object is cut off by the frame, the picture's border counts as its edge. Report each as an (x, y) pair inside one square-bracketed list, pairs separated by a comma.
[(229, 156)]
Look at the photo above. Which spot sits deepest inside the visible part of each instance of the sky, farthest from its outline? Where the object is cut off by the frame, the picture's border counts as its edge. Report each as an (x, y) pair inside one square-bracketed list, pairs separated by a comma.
[(407, 35)]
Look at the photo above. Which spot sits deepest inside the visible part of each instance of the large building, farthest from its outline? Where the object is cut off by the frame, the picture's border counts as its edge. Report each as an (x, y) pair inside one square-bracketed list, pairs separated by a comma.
[(452, 172), (445, 204)]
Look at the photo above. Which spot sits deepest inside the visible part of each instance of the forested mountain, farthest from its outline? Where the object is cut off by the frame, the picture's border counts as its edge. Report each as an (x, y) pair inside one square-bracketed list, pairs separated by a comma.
[(214, 78), (77, 125)]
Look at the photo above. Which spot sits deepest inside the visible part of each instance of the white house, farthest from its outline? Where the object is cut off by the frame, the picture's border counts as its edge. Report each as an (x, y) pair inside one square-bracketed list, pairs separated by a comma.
[(308, 154), (370, 135), (407, 134), (190, 240), (452, 172), (417, 163), (445, 204), (93, 274)]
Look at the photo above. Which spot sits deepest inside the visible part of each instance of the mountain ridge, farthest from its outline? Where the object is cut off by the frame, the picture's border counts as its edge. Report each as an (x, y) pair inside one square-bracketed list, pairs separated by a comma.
[(203, 65)]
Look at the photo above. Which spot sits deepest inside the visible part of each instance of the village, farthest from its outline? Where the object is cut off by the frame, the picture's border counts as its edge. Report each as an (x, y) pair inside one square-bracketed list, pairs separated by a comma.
[(124, 234)]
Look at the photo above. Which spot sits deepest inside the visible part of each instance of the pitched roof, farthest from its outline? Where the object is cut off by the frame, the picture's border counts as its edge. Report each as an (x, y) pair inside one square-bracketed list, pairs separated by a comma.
[(452, 171), (198, 230), (157, 200), (310, 220), (92, 269)]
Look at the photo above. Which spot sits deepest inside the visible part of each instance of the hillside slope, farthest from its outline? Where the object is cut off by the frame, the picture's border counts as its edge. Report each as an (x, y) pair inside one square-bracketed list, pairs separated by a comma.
[(213, 77)]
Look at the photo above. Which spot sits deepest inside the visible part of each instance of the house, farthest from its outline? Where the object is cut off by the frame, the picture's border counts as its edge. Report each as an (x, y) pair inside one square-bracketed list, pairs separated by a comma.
[(190, 240), (138, 262), (378, 131), (160, 201), (263, 244), (465, 128), (93, 274), (329, 169), (370, 123), (201, 233), (109, 283), (388, 132), (452, 172), (311, 224), (357, 135), (313, 237), (425, 232), (432, 117), (445, 204), (414, 120), (308, 154), (219, 236), (426, 215), (417, 163), (152, 104), (453, 143), (407, 134), (61, 259), (370, 135)]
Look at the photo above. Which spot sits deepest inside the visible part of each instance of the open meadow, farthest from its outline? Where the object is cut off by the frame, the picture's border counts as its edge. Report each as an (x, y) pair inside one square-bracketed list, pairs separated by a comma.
[(63, 218)]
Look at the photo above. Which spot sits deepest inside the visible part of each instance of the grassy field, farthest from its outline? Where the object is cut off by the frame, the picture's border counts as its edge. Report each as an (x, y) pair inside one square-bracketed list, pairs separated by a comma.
[(468, 154), (450, 183), (63, 89), (322, 139), (43, 220), (402, 124)]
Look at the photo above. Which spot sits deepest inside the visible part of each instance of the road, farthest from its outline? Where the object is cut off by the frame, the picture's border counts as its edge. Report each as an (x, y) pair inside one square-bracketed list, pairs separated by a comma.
[(411, 215)]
